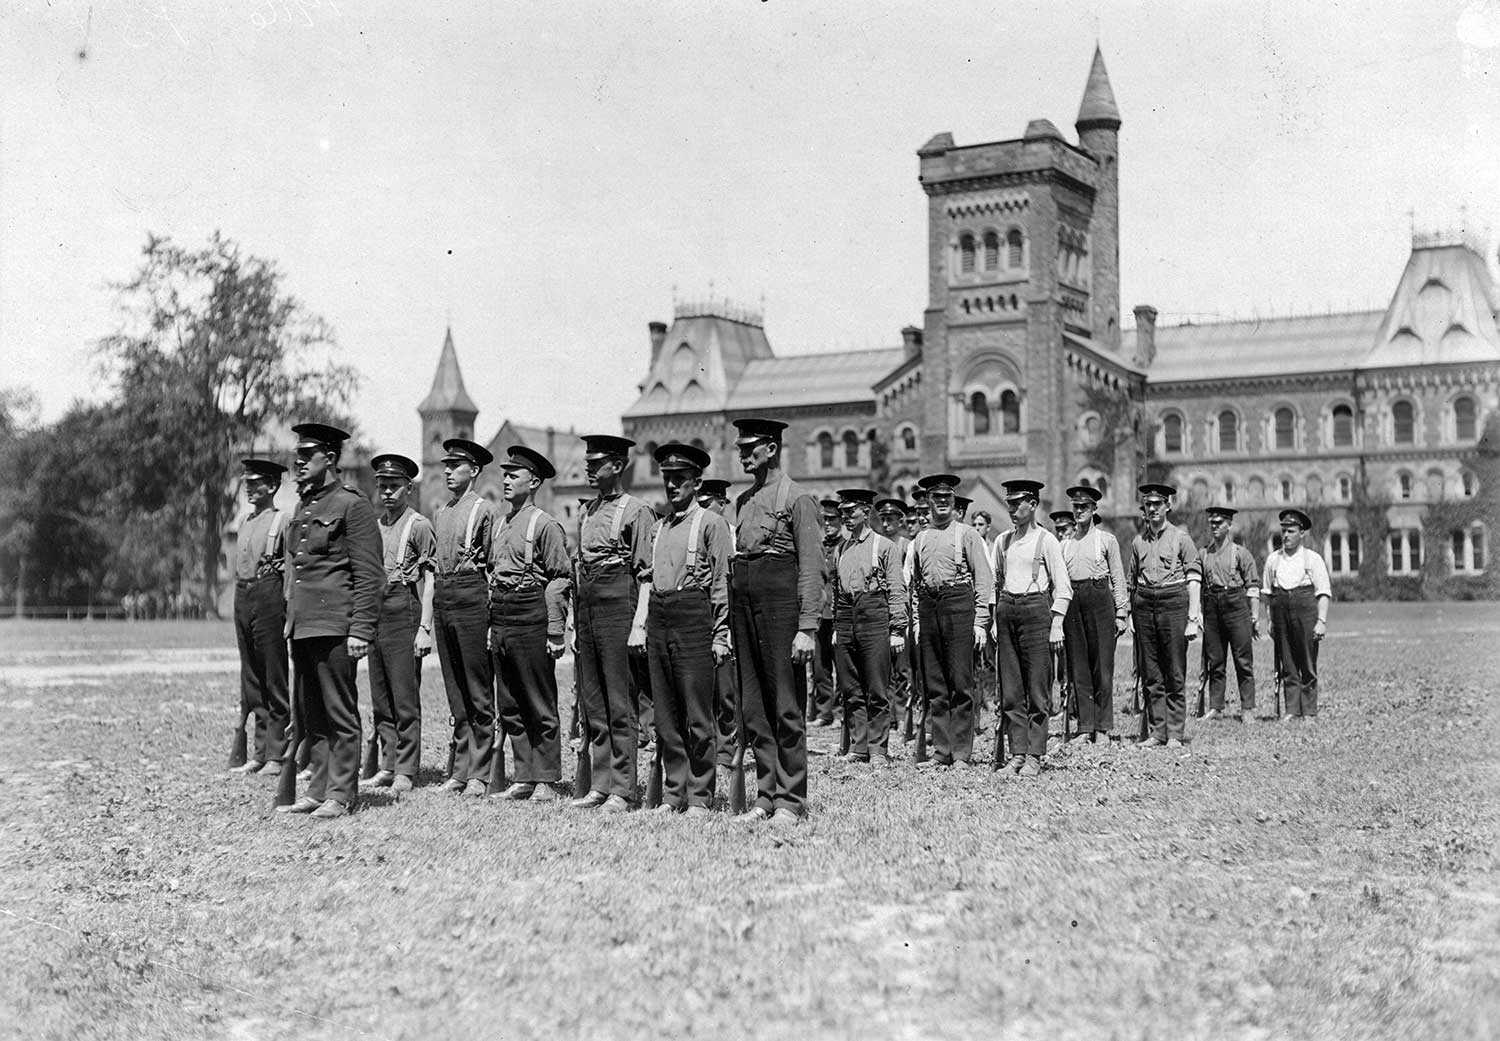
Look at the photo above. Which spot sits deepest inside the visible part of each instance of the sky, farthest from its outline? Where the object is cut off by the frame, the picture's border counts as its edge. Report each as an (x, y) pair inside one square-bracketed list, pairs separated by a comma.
[(545, 178)]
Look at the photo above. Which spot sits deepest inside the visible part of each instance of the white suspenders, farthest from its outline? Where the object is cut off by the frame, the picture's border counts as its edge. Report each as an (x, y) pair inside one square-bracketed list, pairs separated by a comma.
[(405, 536), (529, 551), (694, 530), (1036, 562), (275, 531)]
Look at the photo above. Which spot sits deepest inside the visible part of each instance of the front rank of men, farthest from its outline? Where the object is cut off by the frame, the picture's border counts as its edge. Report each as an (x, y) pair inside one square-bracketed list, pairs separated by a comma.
[(949, 572), (687, 631), (869, 627), (612, 591), (334, 583), (776, 590), (404, 634)]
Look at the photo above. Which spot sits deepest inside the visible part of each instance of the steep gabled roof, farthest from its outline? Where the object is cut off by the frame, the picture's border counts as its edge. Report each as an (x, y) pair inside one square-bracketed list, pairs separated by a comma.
[(1098, 107), (1443, 310), (702, 358), (448, 393)]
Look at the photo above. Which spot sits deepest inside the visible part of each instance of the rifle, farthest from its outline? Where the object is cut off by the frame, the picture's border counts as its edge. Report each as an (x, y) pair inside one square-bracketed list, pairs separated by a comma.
[(238, 749), (653, 783), (921, 753), (1140, 689), (1002, 725), (583, 767), (1278, 684), (1203, 673), (1060, 663), (497, 763), (911, 684), (372, 754), (737, 764), (286, 781), (452, 746)]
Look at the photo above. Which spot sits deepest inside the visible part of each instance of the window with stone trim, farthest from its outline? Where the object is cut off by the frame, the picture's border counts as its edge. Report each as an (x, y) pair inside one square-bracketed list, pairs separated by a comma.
[(1010, 412), (1015, 248), (1345, 484), (1227, 491), (1171, 433), (1403, 423), (979, 414), (1228, 426), (1405, 486), (1341, 548), (966, 254), (1284, 489), (1284, 429), (1405, 545), (991, 250), (851, 450), (1343, 426), (1467, 548), (906, 437), (1465, 419), (825, 450), (1468, 484)]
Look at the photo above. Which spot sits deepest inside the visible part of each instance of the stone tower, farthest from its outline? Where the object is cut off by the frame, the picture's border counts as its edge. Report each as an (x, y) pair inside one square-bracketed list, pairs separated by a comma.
[(1023, 280), (447, 411), (1098, 128)]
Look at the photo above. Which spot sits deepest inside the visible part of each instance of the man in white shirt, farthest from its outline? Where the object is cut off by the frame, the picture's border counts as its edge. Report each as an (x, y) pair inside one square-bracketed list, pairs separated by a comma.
[(1295, 588), (1032, 591)]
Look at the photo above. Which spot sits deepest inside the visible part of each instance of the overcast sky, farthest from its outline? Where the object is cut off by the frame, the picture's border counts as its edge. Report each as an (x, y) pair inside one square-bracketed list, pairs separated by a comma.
[(544, 175)]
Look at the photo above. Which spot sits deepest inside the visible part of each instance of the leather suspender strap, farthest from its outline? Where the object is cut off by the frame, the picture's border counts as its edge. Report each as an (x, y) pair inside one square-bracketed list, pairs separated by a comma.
[(469, 526), (529, 550), (405, 536), (275, 530), (692, 549)]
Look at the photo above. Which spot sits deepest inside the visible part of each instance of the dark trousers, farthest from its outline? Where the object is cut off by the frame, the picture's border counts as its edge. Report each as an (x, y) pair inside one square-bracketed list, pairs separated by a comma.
[(1023, 654), (1089, 637), (1160, 631), (526, 685), (946, 620), (260, 630), (863, 656), (329, 704), (396, 680), (1294, 612), (726, 698), (763, 595), (900, 686), (825, 687), (460, 617), (605, 609), (1226, 632), (679, 639)]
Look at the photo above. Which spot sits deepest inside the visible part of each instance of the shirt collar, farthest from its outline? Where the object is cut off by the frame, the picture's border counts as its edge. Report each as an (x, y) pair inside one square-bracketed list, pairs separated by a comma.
[(677, 518)]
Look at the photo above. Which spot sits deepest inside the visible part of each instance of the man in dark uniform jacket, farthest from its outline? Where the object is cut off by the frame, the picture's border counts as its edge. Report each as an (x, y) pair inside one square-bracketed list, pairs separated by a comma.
[(461, 615), (404, 636), (776, 593), (530, 574), (1231, 596), (713, 496), (612, 586), (687, 631), (334, 584), (260, 616)]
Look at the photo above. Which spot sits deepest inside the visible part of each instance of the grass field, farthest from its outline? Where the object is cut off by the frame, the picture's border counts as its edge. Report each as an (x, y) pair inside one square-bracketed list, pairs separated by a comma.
[(1336, 879)]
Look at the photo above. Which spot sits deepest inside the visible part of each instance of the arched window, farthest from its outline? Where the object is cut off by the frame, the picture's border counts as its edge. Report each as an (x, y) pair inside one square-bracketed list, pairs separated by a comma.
[(1229, 431), (908, 439), (1403, 423), (1171, 433), (851, 450), (1468, 549), (1464, 425), (1403, 485), (1467, 483), (966, 253), (1314, 486), (1285, 428), (825, 451), (1284, 489), (991, 251), (1343, 426), (1015, 248), (1436, 484), (1090, 429), (1346, 487), (1228, 491), (1255, 489), (979, 412), (1010, 412)]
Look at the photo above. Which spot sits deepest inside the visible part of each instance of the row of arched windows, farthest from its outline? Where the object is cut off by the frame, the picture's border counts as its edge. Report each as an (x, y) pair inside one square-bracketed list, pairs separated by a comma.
[(990, 250), (1003, 416), (1284, 430)]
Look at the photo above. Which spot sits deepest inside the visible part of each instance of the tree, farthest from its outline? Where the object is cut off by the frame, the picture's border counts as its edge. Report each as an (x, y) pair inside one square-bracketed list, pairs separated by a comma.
[(211, 351)]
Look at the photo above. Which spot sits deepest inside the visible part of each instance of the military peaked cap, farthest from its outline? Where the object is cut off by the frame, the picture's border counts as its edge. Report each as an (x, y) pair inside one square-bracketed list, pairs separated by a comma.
[(519, 457), (1296, 516), (714, 486), (939, 482), (392, 465), (268, 469), (606, 446), (676, 456), (1227, 512), (319, 435), (1022, 486), (856, 497), (465, 451), (1083, 491), (1166, 491), (758, 429)]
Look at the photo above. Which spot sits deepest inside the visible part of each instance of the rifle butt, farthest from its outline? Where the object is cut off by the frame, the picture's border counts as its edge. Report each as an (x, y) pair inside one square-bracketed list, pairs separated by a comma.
[(653, 784), (737, 802), (286, 782), (239, 746), (497, 766), (372, 755)]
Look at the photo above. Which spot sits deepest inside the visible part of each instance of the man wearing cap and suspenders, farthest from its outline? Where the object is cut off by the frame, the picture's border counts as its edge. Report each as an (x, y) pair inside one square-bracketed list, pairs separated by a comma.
[(1062, 523), (713, 496), (1097, 615), (1032, 593), (869, 627), (825, 687), (687, 631), (949, 571), (1231, 592), (1296, 592), (776, 593), (334, 583), (260, 618), (892, 516), (529, 578), (1164, 576), (613, 582), (463, 528), (404, 635)]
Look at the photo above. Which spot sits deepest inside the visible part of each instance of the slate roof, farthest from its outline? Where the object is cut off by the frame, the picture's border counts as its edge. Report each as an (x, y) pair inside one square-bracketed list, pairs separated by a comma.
[(1259, 347), (812, 379)]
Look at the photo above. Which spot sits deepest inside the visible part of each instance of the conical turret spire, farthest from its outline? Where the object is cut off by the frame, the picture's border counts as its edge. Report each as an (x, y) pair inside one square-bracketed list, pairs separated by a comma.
[(448, 393), (1098, 108)]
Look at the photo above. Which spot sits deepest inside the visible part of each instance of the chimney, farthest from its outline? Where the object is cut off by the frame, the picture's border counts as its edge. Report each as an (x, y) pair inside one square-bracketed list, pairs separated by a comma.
[(658, 337), (911, 340), (1145, 335)]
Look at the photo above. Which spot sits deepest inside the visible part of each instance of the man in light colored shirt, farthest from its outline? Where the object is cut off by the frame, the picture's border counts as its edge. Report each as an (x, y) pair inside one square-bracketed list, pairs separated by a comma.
[(463, 527), (1032, 592), (260, 622), (613, 569), (403, 636), (687, 631), (713, 496), (949, 572), (1164, 575), (1231, 590), (1096, 618), (1296, 590), (530, 574), (869, 626)]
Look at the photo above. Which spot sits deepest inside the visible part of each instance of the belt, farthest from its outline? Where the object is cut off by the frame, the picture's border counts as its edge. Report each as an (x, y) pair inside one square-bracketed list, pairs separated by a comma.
[(613, 567), (1145, 588), (944, 587), (1226, 589), (1023, 596), (1088, 581)]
